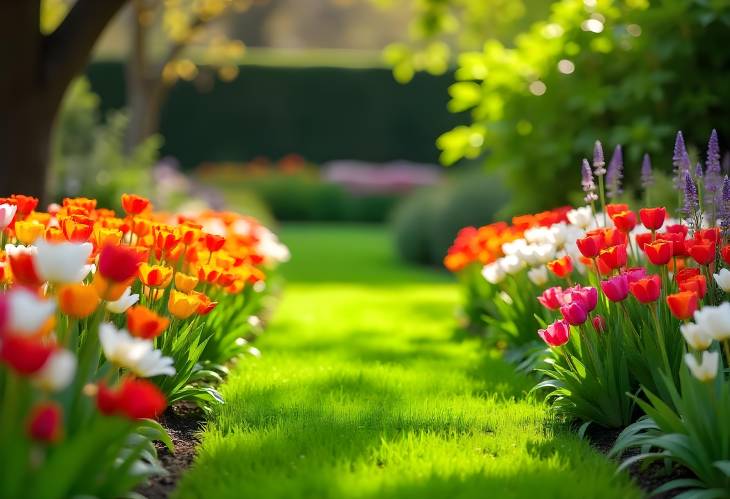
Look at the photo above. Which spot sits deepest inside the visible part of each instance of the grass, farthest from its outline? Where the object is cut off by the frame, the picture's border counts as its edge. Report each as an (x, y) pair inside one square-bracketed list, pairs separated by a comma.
[(365, 391)]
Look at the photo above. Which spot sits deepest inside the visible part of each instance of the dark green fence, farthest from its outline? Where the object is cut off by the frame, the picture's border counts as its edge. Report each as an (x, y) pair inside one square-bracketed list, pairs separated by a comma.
[(322, 113)]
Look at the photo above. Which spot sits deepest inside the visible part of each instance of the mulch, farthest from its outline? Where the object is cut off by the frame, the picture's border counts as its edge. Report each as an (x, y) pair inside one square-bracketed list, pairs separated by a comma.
[(183, 422)]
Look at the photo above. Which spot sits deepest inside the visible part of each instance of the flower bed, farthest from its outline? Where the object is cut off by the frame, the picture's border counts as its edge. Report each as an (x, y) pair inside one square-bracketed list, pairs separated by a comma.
[(106, 320), (633, 306)]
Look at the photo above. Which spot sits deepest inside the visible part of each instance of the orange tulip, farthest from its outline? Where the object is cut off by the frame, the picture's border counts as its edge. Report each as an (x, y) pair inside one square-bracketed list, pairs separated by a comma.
[(205, 305), (185, 283), (78, 300), (155, 276), (134, 205), (144, 323), (683, 304), (561, 267), (208, 273), (182, 305), (77, 228), (108, 289)]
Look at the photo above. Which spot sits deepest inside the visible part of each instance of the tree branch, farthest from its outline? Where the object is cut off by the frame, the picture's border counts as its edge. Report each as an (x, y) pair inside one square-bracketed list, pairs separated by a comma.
[(66, 51)]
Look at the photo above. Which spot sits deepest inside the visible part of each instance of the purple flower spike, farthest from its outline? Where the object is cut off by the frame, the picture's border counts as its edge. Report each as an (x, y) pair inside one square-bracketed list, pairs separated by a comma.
[(598, 160), (691, 200), (680, 160), (589, 186), (713, 174), (614, 173), (724, 211), (647, 178), (698, 171)]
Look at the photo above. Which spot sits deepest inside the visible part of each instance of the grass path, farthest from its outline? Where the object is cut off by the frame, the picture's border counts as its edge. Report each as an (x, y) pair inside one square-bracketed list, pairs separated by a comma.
[(364, 392)]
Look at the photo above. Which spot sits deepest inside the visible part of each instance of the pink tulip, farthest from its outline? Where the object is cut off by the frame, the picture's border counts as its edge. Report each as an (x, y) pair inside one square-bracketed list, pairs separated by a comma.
[(556, 334), (552, 298), (574, 313), (635, 273), (599, 323), (587, 297), (616, 288)]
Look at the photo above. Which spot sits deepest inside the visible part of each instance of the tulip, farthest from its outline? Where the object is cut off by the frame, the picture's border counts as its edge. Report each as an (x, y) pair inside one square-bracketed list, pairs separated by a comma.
[(707, 369), (562, 267), (58, 371), (587, 297), (134, 205), (695, 336), (625, 221), (155, 276), (703, 252), (493, 273), (653, 218), (678, 229), (28, 231), (134, 399), (646, 290), (27, 313), (25, 204), (144, 323), (712, 234), (723, 280), (62, 263), (643, 239), (574, 313), (181, 305), (683, 304), (556, 334), (580, 217), (614, 208), (539, 275), (696, 284), (616, 288), (679, 246), (613, 257), (7, 213), (136, 354), (589, 246), (659, 252), (108, 290), (725, 254), (22, 265), (599, 323), (214, 242), (511, 264), (635, 273), (205, 305), (714, 321), (45, 422), (25, 355), (78, 300), (118, 263), (552, 298), (77, 228), (687, 273), (123, 303)]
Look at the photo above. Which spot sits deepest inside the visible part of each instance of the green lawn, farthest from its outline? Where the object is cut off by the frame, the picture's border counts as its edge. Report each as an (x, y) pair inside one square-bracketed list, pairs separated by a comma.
[(364, 391)]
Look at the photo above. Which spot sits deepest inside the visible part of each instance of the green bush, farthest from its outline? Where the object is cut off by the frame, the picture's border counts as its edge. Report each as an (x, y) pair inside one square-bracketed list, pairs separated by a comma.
[(425, 224)]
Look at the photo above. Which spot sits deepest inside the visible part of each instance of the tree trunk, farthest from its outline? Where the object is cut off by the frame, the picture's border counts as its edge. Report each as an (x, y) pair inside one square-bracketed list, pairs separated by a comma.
[(37, 70)]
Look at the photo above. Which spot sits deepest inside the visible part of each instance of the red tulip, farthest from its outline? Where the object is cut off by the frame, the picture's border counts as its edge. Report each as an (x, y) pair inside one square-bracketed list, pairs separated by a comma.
[(45, 422), (647, 290), (678, 229), (134, 204), (686, 273), (134, 399), (712, 234), (683, 304), (118, 263), (25, 355), (616, 288), (624, 221), (653, 218), (678, 243), (552, 298), (590, 246), (574, 313), (725, 254), (696, 284), (22, 266), (612, 209), (659, 252), (556, 334), (599, 323), (703, 252), (214, 242), (643, 239), (25, 204), (613, 257), (561, 267)]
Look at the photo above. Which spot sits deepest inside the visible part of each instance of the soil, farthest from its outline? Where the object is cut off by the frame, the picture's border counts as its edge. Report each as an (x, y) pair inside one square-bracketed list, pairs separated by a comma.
[(183, 422), (647, 477)]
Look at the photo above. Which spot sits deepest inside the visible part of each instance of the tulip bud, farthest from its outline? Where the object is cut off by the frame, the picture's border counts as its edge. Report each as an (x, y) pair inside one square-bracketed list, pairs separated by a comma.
[(45, 422)]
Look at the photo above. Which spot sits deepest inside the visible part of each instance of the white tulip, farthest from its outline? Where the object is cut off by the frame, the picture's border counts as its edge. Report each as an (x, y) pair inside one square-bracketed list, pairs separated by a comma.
[(511, 264), (544, 252), (136, 354), (123, 303), (27, 313), (695, 336), (513, 247), (7, 212), (581, 217), (62, 263), (271, 248), (538, 275), (714, 321), (58, 371), (494, 273), (723, 279), (537, 235), (706, 370)]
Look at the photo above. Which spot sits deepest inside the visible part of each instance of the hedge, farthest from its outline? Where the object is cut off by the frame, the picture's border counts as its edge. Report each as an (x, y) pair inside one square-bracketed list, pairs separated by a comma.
[(322, 113)]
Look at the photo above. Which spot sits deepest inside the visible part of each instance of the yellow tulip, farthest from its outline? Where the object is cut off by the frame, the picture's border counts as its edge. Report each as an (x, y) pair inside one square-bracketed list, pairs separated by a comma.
[(182, 305)]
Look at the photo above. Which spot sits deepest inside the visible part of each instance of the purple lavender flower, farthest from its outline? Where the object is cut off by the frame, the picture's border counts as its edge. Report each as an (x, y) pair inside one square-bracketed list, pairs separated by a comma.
[(598, 160), (713, 174), (724, 211), (647, 178), (698, 171), (681, 163), (589, 186), (691, 200), (614, 173)]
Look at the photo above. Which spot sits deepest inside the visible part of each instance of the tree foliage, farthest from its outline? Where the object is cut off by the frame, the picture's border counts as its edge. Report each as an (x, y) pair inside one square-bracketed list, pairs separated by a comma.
[(623, 71)]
